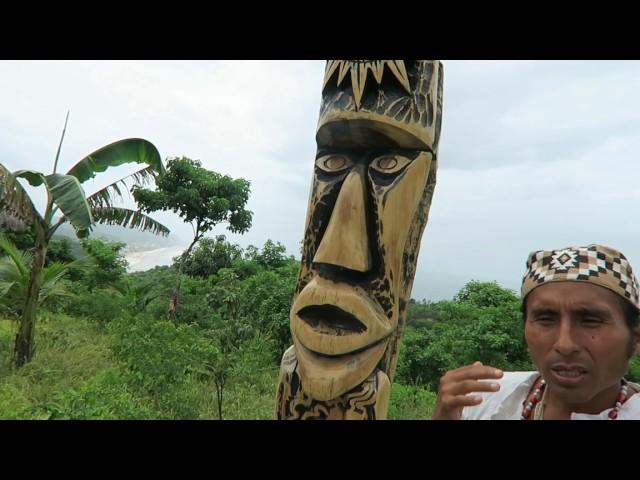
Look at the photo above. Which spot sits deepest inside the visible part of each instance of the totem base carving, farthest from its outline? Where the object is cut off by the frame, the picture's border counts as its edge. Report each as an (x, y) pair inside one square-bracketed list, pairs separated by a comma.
[(367, 401)]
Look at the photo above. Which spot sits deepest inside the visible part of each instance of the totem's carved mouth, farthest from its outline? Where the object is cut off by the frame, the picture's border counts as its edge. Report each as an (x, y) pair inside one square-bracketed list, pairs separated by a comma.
[(331, 320)]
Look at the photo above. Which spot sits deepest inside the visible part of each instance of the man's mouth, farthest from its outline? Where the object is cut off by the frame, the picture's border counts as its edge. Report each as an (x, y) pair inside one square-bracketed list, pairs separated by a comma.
[(568, 374)]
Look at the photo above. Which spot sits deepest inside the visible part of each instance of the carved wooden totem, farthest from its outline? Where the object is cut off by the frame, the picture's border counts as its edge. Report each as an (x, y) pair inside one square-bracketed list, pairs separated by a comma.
[(374, 177)]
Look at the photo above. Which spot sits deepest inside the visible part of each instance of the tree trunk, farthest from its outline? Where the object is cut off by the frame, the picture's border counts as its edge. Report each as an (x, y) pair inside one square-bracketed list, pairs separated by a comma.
[(24, 345), (219, 395), (173, 301)]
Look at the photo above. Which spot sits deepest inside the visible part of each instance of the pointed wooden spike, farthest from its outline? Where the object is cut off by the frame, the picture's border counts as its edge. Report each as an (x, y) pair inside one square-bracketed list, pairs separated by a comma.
[(400, 72), (378, 69), (364, 72), (332, 65), (344, 69), (357, 85)]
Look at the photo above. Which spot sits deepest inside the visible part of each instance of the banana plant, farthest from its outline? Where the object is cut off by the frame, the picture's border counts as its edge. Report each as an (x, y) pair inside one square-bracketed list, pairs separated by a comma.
[(67, 199), (14, 278)]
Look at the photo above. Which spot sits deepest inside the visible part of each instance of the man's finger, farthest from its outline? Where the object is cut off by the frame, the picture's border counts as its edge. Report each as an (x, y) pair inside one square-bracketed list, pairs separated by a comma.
[(469, 386), (475, 372), (457, 401)]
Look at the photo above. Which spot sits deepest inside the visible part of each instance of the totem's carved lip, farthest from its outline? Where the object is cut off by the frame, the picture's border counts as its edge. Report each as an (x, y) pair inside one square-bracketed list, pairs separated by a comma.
[(344, 356), (326, 377), (331, 320), (334, 319)]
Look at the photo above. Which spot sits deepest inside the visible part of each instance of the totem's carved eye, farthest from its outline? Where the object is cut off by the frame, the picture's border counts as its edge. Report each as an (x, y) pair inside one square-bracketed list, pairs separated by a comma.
[(334, 163), (390, 164)]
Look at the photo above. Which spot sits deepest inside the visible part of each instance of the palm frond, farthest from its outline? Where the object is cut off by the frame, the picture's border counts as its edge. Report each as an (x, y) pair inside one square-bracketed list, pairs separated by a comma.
[(129, 219), (9, 273), (106, 196), (34, 178), (5, 287), (132, 150), (21, 260), (14, 200), (13, 286), (51, 277), (54, 271), (69, 196)]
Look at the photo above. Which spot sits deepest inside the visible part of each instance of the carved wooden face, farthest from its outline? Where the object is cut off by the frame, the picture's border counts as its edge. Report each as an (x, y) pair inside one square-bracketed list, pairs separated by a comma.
[(367, 210)]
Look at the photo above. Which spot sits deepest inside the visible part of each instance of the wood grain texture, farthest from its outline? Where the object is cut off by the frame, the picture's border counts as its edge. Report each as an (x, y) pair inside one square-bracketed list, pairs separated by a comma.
[(371, 191)]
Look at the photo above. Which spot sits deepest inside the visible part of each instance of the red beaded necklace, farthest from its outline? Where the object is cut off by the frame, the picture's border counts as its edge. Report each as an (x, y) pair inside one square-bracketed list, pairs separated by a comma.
[(538, 388)]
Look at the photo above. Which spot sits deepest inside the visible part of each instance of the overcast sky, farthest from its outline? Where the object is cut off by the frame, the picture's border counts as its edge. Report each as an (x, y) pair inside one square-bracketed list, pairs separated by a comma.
[(533, 154)]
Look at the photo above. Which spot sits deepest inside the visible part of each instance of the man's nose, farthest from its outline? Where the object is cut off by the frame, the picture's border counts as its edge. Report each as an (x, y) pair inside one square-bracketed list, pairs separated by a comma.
[(345, 242), (565, 341)]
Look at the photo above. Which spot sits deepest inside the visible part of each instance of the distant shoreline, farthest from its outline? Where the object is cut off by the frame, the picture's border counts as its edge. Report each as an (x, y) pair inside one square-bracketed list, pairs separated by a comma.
[(141, 260)]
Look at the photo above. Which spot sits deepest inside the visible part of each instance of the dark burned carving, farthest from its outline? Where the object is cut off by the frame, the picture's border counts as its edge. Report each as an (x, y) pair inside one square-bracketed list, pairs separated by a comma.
[(374, 177)]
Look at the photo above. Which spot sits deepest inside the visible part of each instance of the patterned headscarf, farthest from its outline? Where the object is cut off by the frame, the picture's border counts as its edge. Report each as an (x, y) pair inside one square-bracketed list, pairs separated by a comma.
[(595, 264)]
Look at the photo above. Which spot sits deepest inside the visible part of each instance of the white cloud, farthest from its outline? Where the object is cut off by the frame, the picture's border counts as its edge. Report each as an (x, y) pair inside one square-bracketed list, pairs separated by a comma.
[(533, 154)]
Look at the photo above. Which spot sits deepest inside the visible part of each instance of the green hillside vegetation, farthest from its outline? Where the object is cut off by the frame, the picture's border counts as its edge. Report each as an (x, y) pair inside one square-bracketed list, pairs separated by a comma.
[(110, 353), (81, 338)]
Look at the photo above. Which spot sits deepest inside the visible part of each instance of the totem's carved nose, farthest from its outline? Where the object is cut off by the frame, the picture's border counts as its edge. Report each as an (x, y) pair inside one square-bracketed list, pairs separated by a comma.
[(346, 241)]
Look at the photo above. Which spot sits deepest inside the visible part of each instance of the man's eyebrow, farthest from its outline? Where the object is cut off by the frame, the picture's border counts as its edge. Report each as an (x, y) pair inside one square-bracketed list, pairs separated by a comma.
[(543, 311), (583, 311), (593, 312)]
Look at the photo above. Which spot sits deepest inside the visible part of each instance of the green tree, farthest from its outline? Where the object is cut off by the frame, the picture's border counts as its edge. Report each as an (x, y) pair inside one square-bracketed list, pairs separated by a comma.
[(107, 264), (200, 197), (423, 312), (488, 329), (228, 331), (66, 196), (266, 303), (485, 294), (247, 265), (59, 251), (162, 360), (209, 256), (139, 295), (273, 255)]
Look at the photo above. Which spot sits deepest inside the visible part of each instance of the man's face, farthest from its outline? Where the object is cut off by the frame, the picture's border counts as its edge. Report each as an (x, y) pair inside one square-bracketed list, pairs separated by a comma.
[(366, 214), (578, 338)]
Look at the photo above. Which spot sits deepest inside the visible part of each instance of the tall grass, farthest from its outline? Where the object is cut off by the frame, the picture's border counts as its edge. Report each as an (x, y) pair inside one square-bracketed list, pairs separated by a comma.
[(76, 374)]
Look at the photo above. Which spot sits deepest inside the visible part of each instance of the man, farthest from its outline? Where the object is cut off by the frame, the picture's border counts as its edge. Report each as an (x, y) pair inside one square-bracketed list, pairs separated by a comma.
[(581, 324)]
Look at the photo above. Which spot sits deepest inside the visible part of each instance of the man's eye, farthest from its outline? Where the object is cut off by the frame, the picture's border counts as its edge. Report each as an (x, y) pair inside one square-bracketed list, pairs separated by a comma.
[(389, 164), (544, 319), (334, 163), (592, 321)]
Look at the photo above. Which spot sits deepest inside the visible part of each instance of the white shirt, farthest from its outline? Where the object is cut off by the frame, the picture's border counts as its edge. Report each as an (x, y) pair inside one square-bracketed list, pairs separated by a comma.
[(506, 403)]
